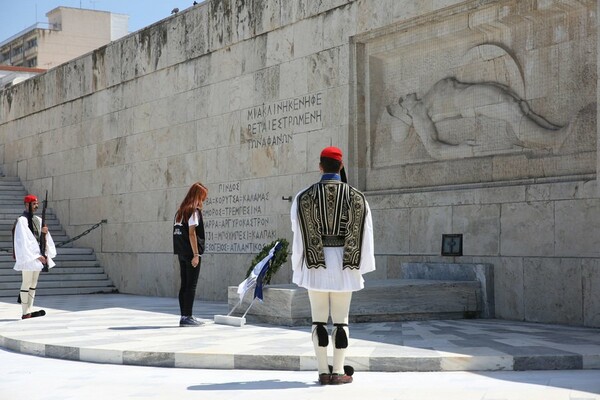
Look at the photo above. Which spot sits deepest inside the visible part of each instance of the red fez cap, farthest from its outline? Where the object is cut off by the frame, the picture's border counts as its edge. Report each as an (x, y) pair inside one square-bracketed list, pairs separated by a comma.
[(332, 152), (30, 198)]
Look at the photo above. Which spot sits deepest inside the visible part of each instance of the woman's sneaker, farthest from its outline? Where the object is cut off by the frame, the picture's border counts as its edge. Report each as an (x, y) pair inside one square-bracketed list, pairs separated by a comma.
[(189, 321)]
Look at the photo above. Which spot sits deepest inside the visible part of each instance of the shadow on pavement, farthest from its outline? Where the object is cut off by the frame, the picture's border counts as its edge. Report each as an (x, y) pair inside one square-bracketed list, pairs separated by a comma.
[(135, 328), (274, 384), (545, 378)]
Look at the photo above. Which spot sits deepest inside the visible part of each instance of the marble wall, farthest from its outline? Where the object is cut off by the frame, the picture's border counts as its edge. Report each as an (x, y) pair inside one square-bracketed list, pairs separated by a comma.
[(242, 95)]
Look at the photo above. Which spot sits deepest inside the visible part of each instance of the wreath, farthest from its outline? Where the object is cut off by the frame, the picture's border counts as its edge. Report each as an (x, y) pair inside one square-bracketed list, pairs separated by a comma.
[(278, 259)]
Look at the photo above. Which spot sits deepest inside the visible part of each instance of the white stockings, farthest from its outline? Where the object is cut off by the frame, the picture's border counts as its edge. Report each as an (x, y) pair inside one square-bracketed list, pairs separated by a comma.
[(28, 286), (322, 304)]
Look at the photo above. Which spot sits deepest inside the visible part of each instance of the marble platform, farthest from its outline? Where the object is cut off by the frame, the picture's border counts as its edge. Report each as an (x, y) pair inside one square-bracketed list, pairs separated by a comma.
[(140, 330)]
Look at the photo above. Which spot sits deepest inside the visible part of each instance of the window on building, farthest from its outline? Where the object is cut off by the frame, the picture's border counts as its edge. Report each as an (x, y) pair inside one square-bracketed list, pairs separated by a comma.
[(5, 56), (32, 62), (17, 50), (31, 43)]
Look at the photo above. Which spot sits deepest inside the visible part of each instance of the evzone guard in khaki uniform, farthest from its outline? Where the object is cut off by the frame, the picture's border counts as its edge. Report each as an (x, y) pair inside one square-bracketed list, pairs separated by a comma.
[(332, 248)]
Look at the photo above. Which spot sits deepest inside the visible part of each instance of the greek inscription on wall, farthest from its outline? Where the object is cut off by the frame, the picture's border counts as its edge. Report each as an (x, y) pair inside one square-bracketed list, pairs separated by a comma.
[(273, 124), (235, 222)]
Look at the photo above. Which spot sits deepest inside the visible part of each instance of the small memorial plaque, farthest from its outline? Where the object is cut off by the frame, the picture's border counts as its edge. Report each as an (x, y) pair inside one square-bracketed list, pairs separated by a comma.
[(452, 245)]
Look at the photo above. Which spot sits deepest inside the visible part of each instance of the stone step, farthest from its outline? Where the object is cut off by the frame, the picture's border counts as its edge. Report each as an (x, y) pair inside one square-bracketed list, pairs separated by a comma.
[(55, 231), (56, 291), (77, 270), (68, 261), (10, 220), (54, 276), (10, 213), (14, 210), (54, 228), (61, 264), (12, 190), (6, 242), (59, 258), (7, 245), (7, 224), (62, 252), (10, 197), (45, 283), (9, 271)]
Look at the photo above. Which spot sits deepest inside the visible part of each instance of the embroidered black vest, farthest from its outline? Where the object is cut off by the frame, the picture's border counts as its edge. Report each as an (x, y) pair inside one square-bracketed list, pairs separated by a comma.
[(331, 214), (35, 228)]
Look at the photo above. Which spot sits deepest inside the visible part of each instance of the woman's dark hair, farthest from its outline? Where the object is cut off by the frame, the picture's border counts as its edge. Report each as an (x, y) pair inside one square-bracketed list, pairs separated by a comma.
[(330, 166), (197, 192)]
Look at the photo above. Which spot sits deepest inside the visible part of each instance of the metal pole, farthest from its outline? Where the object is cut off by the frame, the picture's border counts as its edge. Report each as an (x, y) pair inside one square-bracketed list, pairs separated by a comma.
[(248, 309)]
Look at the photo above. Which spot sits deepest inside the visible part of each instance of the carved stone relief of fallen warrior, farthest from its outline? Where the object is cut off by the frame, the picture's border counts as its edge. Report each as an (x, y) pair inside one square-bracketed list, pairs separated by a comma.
[(450, 99)]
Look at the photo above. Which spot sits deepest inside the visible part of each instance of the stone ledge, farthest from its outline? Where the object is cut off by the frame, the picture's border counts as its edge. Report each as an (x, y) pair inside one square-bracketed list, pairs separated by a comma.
[(379, 301), (426, 291), (481, 272)]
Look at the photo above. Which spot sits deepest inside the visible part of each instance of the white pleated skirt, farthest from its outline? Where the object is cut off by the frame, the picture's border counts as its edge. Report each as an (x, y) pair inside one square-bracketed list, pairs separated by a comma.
[(330, 279)]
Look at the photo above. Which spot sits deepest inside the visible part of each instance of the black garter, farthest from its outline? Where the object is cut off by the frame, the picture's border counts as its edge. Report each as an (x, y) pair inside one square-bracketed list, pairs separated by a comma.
[(322, 333), (341, 339)]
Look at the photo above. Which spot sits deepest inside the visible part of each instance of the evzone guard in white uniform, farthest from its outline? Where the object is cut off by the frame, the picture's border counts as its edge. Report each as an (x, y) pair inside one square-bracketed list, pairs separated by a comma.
[(331, 250), (28, 258)]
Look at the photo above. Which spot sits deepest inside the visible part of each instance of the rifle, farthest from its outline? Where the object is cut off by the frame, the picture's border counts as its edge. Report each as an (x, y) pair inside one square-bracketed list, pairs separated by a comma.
[(42, 234)]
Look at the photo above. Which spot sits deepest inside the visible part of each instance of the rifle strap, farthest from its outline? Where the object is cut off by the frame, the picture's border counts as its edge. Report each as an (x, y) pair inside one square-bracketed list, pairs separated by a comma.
[(36, 228), (13, 239)]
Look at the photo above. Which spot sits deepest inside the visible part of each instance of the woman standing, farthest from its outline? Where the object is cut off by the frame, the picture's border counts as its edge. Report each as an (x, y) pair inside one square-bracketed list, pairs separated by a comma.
[(188, 244)]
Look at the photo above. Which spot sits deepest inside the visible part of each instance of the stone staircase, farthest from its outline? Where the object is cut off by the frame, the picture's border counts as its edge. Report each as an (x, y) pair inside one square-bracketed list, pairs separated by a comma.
[(77, 270)]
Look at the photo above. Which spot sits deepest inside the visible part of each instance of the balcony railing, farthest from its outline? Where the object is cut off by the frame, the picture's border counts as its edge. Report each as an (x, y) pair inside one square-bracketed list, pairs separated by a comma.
[(29, 52)]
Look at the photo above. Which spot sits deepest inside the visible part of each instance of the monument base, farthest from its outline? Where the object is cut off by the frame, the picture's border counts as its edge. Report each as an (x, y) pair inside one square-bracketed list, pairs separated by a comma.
[(430, 291)]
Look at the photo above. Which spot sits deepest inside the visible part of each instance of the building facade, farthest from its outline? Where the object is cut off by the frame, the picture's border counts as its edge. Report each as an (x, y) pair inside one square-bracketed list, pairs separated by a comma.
[(10, 75), (69, 33)]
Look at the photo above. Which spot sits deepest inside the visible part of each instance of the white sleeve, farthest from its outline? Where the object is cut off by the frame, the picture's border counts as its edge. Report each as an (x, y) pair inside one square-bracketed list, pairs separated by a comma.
[(194, 219), (367, 258), (50, 250), (297, 246), (27, 248), (50, 246)]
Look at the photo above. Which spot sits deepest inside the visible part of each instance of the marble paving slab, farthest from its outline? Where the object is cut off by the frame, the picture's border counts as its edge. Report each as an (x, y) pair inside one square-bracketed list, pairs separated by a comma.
[(138, 330)]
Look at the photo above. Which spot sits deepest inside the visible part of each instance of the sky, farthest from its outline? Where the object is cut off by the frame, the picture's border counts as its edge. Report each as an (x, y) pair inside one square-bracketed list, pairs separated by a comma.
[(16, 15)]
